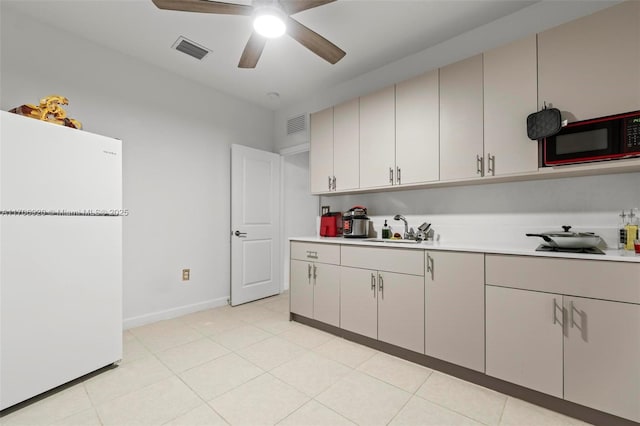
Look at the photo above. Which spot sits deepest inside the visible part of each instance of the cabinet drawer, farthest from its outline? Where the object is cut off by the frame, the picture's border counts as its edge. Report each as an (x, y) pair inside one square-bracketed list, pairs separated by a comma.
[(316, 252), (404, 261), (597, 279)]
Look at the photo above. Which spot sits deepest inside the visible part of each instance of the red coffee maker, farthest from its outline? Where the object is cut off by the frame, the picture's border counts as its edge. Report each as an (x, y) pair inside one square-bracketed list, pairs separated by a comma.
[(331, 224)]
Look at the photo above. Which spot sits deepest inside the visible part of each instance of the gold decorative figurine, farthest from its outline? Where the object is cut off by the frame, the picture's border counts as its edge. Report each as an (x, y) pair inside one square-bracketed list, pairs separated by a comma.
[(49, 110)]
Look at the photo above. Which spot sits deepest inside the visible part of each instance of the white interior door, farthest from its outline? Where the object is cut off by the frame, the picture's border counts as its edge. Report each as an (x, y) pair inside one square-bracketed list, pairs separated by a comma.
[(255, 224)]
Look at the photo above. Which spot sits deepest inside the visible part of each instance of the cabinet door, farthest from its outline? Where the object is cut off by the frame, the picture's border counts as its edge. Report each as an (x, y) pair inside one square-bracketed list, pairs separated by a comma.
[(455, 297), (401, 310), (326, 293), (321, 151), (602, 356), (418, 129), (589, 67), (510, 94), (461, 120), (301, 288), (358, 301), (346, 144), (524, 338), (377, 138)]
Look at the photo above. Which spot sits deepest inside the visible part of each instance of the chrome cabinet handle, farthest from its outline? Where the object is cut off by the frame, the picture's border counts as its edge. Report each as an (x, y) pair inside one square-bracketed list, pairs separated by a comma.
[(572, 322), (555, 311), (582, 325), (315, 274), (398, 175), (391, 175), (240, 234), (373, 284), (430, 265), (381, 285), (309, 273), (329, 183), (312, 254), (491, 164), (333, 183), (480, 165)]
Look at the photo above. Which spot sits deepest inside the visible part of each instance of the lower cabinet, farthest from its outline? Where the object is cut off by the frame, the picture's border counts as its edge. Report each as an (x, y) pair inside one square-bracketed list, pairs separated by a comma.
[(401, 310), (602, 355), (359, 301), (454, 305), (383, 305), (573, 334), (315, 281), (524, 338), (315, 291), (583, 350), (301, 288)]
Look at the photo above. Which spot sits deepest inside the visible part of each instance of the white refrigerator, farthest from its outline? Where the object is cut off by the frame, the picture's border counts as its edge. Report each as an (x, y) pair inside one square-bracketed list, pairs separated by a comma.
[(60, 255)]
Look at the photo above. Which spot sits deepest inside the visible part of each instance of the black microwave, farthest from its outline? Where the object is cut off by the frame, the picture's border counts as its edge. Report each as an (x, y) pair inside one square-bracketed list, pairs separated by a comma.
[(604, 138)]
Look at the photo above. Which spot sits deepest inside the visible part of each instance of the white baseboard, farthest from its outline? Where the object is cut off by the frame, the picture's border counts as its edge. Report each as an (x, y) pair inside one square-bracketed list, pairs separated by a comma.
[(173, 312)]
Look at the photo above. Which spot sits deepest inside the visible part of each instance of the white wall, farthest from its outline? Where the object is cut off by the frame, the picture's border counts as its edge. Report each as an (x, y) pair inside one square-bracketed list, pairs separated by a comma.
[(503, 212), (176, 142)]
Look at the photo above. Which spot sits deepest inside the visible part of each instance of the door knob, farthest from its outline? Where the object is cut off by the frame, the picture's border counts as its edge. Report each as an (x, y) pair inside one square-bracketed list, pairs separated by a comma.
[(240, 234)]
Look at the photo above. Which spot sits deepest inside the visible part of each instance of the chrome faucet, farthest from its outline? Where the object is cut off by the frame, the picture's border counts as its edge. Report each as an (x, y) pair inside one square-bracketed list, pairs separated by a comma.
[(408, 235)]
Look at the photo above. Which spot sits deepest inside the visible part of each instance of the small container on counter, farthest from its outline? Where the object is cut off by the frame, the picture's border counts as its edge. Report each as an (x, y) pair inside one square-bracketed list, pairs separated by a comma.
[(386, 231), (631, 229), (622, 232)]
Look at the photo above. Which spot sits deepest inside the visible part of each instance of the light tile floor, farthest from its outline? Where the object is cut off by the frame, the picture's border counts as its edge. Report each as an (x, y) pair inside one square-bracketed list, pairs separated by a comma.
[(250, 365)]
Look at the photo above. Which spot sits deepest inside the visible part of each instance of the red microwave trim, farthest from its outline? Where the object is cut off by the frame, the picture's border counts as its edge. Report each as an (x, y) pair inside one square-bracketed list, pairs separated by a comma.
[(601, 119), (594, 158), (586, 159)]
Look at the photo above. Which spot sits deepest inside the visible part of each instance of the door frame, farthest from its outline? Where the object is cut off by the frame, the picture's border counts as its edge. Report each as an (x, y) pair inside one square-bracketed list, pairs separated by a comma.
[(286, 152)]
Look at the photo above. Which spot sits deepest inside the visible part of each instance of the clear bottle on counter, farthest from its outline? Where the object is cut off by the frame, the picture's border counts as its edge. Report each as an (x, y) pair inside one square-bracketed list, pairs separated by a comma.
[(631, 229), (622, 232)]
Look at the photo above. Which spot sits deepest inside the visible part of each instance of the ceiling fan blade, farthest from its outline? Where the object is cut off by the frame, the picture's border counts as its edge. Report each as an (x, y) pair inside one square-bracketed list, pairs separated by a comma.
[(295, 6), (314, 41), (204, 6), (252, 51)]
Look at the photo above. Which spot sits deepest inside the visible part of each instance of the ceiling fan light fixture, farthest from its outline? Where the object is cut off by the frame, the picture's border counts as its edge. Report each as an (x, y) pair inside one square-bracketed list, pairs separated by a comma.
[(269, 22)]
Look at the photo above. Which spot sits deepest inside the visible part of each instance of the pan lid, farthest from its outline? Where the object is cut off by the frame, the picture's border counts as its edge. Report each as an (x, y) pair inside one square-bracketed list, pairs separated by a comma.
[(568, 233)]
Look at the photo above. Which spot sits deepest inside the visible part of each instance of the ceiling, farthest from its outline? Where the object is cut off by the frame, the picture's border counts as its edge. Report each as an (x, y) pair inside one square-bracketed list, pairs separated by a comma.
[(372, 32)]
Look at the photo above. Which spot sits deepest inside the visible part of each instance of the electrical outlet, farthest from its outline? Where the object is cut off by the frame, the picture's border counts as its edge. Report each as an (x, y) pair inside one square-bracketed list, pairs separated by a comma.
[(186, 273)]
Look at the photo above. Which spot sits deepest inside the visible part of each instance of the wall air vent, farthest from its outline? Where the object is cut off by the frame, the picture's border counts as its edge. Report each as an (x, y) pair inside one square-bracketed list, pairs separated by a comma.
[(297, 124), (190, 48)]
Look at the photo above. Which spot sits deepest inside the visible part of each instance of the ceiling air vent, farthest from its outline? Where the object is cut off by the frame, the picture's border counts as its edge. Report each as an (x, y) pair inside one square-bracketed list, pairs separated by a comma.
[(190, 48), (297, 124)]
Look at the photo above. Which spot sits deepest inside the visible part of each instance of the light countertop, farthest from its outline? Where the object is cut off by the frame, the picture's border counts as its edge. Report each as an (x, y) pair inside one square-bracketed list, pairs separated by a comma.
[(478, 247)]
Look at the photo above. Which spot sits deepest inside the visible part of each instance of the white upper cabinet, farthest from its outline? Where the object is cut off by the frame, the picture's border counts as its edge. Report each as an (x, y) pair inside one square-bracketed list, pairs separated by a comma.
[(467, 120), (418, 129), (377, 138), (321, 151), (590, 67), (346, 145), (461, 120), (510, 94)]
